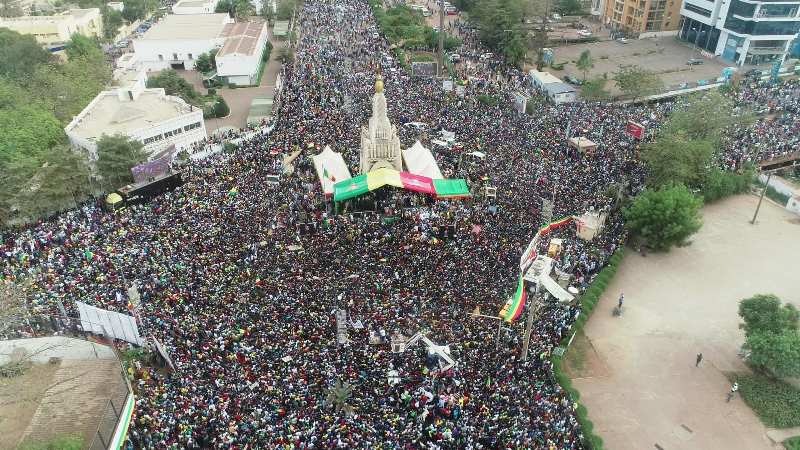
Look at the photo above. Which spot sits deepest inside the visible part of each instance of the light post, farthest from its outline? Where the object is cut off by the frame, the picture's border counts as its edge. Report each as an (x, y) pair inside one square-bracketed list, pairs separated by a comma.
[(761, 198)]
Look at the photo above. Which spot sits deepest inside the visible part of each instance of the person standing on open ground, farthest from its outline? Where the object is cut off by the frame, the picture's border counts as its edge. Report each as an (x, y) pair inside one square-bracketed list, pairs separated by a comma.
[(734, 388), (621, 299), (699, 358)]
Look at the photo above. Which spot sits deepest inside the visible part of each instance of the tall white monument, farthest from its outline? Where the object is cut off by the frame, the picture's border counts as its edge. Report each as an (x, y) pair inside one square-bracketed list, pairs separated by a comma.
[(380, 144)]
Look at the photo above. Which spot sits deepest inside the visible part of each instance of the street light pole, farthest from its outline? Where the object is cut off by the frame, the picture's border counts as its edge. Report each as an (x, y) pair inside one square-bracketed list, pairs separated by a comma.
[(533, 309), (441, 38), (761, 198)]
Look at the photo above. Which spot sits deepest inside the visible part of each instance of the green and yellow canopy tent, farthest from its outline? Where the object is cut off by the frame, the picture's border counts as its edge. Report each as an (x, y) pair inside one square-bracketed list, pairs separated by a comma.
[(376, 179)]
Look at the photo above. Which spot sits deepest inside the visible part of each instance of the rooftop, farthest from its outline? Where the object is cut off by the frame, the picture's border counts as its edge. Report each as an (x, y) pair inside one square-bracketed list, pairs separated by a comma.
[(545, 77), (191, 3), (188, 26), (558, 88), (281, 28), (242, 37), (109, 115)]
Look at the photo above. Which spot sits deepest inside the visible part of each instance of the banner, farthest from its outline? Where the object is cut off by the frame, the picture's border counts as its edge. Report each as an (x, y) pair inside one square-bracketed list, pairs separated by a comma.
[(635, 129)]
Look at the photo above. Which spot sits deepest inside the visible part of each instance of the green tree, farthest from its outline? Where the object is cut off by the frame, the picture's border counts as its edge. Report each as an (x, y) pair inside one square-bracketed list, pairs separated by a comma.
[(115, 157), (221, 108), (585, 63), (777, 353), (664, 217), (173, 84), (112, 21), (10, 8), (570, 7), (677, 159), (594, 89), (243, 9), (636, 82), (27, 132), (80, 46), (134, 10), (20, 54), (338, 396), (765, 313), (267, 12), (207, 62), (285, 9), (706, 116)]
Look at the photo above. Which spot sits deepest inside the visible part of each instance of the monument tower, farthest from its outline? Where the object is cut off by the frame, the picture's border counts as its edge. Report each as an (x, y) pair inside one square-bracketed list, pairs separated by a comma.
[(380, 144)]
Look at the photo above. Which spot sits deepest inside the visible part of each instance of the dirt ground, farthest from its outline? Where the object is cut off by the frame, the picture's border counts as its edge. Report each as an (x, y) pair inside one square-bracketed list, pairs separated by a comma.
[(16, 410), (666, 56), (677, 305)]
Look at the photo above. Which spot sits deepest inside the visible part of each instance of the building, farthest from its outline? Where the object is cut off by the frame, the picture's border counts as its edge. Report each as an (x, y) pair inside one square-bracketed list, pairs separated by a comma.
[(195, 7), (560, 93), (634, 17), (539, 79), (239, 60), (116, 6), (177, 40), (57, 29), (380, 144), (149, 116), (741, 31)]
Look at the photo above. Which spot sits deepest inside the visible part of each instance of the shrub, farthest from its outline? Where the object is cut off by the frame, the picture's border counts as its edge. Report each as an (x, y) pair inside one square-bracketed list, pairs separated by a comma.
[(775, 402), (221, 108), (488, 100), (792, 443), (720, 184)]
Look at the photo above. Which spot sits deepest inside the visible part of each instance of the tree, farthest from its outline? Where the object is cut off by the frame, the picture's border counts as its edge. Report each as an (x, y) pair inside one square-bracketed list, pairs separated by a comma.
[(20, 54), (677, 159), (10, 8), (706, 116), (664, 217), (285, 9), (173, 84), (267, 12), (338, 396), (27, 132), (764, 313), (570, 7), (595, 89), (115, 157), (636, 82), (80, 46), (112, 21), (777, 353), (221, 108), (206, 62), (243, 9), (585, 62), (134, 10)]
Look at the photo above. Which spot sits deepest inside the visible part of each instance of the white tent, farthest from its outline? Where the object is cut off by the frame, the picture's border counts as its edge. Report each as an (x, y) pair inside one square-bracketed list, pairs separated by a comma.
[(420, 161), (332, 163)]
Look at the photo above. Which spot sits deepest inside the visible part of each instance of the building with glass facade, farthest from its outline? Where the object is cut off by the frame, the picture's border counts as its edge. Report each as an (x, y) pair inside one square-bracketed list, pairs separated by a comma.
[(742, 31)]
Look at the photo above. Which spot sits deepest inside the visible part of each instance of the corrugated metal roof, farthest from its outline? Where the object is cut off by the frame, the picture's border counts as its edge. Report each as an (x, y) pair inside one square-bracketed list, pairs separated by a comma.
[(241, 38)]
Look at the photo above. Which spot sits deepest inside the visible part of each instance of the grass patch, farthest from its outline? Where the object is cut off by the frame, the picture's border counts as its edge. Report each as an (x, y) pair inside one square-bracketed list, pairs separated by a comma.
[(775, 402), (59, 443), (792, 443)]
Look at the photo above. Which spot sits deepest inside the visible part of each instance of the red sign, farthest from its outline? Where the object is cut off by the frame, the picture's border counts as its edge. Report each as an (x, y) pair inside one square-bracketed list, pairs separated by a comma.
[(635, 129)]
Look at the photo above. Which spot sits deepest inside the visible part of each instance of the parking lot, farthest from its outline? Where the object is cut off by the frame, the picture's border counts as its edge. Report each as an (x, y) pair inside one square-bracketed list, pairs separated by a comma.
[(666, 56)]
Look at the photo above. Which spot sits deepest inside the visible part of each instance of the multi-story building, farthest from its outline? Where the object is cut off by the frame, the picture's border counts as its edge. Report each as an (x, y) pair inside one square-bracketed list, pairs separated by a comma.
[(150, 116), (640, 16), (54, 30), (741, 31)]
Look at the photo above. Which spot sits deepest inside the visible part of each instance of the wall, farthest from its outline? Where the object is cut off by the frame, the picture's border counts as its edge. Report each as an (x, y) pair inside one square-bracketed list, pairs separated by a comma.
[(658, 34), (50, 30), (182, 140), (147, 52)]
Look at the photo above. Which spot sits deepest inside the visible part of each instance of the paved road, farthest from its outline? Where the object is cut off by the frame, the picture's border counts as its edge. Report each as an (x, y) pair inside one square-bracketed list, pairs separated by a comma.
[(677, 305)]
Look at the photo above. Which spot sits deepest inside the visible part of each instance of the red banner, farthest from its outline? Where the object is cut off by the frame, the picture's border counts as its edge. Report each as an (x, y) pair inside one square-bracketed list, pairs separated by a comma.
[(635, 129)]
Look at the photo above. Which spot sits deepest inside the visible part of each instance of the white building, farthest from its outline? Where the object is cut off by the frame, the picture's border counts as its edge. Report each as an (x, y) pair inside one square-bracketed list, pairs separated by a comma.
[(559, 93), (116, 6), (150, 116), (58, 29), (195, 7), (539, 79), (741, 31), (239, 59), (177, 40)]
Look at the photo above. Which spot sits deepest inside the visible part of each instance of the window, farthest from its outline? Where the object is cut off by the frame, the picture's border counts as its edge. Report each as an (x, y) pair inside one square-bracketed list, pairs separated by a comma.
[(697, 10), (160, 57), (174, 56), (190, 56)]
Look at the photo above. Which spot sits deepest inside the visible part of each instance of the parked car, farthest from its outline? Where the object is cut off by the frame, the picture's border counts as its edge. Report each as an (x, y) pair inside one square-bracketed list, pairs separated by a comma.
[(556, 17), (753, 73), (694, 62), (584, 33), (572, 80), (622, 40)]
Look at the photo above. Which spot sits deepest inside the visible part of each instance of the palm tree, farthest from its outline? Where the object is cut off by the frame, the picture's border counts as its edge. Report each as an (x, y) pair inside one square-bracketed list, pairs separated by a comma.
[(338, 395)]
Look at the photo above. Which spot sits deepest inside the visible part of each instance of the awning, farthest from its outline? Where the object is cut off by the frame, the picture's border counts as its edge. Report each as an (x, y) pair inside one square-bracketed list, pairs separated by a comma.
[(451, 188), (376, 179)]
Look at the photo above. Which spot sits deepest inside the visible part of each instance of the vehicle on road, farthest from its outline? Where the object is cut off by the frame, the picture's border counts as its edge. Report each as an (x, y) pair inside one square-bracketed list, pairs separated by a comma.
[(573, 80), (584, 33), (694, 62), (622, 40)]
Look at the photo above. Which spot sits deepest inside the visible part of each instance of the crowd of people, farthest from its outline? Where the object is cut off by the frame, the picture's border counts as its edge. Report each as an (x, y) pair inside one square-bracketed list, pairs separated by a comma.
[(243, 293)]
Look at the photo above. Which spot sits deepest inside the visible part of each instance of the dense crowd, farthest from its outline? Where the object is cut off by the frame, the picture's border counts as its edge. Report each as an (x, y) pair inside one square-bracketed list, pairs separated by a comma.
[(244, 302)]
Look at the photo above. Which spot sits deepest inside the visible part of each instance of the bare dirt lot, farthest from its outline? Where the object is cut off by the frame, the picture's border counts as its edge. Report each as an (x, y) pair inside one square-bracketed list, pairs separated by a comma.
[(676, 305), (666, 56)]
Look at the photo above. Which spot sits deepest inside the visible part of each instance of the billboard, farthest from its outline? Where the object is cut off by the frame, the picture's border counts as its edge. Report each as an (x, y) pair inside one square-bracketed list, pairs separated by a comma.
[(635, 129), (426, 69)]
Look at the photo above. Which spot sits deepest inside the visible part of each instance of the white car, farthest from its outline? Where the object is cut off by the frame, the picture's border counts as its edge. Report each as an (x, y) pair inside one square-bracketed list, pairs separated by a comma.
[(584, 33)]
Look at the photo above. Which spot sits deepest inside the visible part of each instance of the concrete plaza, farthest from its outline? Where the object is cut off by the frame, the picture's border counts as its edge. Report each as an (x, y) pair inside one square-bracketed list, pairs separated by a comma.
[(643, 390)]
